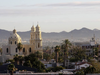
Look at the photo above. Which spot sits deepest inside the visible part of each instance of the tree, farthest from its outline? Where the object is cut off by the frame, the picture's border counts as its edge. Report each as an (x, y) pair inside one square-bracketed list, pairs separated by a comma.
[(34, 62), (19, 46), (11, 68), (10, 60), (16, 58), (57, 49), (90, 69), (96, 66), (96, 51), (65, 47), (60, 58), (53, 55), (21, 59), (46, 56), (80, 72), (78, 54), (28, 63), (38, 55)]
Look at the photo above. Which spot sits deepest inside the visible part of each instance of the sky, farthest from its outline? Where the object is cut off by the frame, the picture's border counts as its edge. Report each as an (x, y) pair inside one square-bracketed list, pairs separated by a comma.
[(51, 15)]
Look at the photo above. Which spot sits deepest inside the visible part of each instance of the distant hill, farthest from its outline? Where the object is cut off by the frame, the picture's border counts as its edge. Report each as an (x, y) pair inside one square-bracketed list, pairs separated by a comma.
[(83, 34)]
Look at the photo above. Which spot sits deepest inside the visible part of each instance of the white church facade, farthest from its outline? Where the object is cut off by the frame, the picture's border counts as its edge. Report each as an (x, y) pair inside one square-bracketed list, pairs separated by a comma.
[(8, 51)]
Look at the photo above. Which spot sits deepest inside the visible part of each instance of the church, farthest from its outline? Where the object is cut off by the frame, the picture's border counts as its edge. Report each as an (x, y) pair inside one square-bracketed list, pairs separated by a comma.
[(8, 51)]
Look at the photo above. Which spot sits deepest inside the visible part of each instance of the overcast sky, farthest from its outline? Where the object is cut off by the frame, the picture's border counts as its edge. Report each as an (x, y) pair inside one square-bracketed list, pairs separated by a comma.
[(52, 15)]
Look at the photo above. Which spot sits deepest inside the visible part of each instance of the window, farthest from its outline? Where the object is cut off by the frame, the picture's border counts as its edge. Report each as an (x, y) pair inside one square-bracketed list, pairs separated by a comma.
[(15, 42), (23, 49), (7, 50), (11, 42), (38, 45), (16, 50), (30, 50)]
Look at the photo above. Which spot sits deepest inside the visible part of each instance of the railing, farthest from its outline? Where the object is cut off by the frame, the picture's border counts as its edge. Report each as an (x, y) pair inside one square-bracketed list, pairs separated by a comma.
[(36, 74)]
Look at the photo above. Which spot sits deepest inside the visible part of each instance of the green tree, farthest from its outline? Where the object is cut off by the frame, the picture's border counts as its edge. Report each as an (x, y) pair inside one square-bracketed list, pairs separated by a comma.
[(10, 60), (21, 59), (19, 46), (46, 56), (96, 51), (34, 62), (11, 68), (90, 69), (78, 54), (65, 47), (16, 58), (96, 66), (57, 49), (60, 58), (38, 55), (53, 55), (28, 63), (80, 72)]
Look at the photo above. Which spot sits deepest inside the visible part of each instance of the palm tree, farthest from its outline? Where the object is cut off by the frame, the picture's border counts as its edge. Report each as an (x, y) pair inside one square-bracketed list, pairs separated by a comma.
[(57, 49), (16, 58), (21, 59), (19, 46), (65, 46), (11, 68)]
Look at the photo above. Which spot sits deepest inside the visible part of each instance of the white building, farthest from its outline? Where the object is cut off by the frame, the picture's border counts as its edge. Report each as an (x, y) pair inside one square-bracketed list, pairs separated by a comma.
[(8, 51), (81, 65)]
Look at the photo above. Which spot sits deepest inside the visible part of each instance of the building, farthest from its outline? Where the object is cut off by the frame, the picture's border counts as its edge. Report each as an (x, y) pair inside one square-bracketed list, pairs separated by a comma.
[(8, 51), (90, 48), (81, 65), (99, 54)]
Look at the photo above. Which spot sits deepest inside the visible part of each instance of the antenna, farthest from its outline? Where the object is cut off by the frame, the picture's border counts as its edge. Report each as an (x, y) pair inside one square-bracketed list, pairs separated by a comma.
[(37, 22), (14, 27)]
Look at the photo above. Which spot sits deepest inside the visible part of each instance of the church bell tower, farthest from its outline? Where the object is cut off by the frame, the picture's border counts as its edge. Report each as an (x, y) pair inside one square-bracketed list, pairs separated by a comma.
[(35, 37)]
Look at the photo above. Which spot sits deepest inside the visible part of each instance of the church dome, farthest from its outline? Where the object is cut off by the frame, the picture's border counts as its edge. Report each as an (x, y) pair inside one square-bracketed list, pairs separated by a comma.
[(14, 37)]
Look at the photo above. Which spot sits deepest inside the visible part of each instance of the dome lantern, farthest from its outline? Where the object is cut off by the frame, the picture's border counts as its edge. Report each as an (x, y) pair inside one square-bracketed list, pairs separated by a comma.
[(14, 31)]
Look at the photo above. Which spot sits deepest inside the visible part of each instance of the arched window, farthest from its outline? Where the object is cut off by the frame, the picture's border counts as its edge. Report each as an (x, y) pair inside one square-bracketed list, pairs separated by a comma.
[(11, 42), (23, 49), (15, 42), (29, 49), (38, 45), (16, 50), (7, 50)]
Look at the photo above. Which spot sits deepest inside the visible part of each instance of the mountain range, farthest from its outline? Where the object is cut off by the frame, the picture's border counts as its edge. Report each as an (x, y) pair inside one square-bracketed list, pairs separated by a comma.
[(80, 35)]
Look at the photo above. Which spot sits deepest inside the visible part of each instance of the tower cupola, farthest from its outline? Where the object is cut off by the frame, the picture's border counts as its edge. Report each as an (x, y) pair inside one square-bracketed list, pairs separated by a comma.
[(37, 28), (14, 31), (33, 28)]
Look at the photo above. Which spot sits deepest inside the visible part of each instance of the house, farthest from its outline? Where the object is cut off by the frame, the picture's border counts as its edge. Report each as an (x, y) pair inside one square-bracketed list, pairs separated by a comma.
[(80, 65)]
